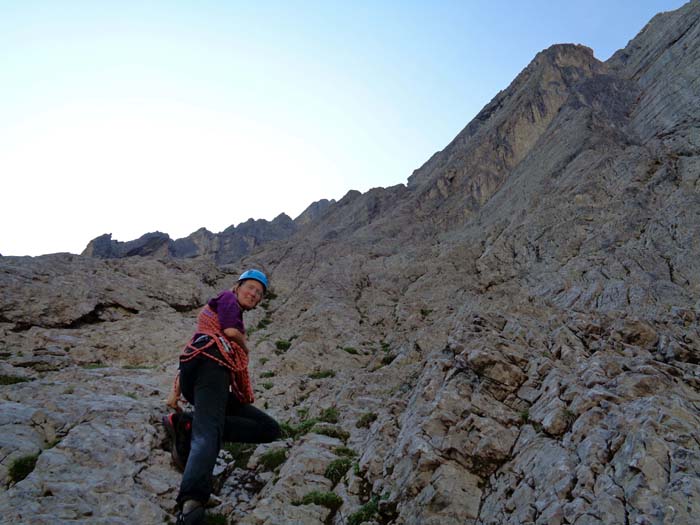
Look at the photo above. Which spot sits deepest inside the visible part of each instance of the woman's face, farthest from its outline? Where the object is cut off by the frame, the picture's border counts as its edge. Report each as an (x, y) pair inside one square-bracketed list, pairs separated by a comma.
[(250, 293)]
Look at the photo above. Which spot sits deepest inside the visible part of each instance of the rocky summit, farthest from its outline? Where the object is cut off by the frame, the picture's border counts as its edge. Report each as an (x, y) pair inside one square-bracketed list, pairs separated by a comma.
[(511, 338)]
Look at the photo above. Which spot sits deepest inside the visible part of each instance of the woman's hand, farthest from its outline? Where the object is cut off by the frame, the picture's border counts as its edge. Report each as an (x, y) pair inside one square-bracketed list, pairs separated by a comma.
[(173, 400)]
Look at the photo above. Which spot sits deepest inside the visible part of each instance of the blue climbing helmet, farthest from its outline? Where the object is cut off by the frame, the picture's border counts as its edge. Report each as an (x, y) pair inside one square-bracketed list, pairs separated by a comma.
[(256, 275)]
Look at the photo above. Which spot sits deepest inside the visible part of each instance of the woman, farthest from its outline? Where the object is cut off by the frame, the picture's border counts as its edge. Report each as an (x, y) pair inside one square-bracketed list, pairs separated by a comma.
[(214, 379)]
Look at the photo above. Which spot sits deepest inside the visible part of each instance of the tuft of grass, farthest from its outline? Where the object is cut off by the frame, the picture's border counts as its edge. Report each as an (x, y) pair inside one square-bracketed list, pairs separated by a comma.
[(366, 513), (272, 459), (21, 467), (525, 416), (215, 519), (132, 395), (322, 374), (351, 350), (263, 360), (11, 380), (267, 374), (295, 431), (366, 420), (387, 359), (425, 312), (92, 366), (330, 500), (283, 345), (337, 469), (330, 431), (241, 452), (267, 386), (264, 323), (345, 452), (329, 415), (302, 412)]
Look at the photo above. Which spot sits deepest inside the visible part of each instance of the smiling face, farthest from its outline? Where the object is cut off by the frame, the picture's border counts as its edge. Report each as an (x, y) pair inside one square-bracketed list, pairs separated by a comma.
[(249, 292)]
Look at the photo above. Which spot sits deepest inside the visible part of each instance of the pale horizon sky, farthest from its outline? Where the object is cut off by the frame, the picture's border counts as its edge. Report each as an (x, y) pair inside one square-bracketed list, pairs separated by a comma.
[(130, 117)]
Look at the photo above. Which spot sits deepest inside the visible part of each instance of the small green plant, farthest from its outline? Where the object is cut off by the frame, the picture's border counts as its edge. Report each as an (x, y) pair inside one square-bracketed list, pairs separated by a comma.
[(385, 346), (337, 469), (295, 431), (366, 420), (272, 459), (21, 467), (132, 395), (264, 323), (387, 359), (69, 390), (268, 385), (263, 360), (331, 431), (330, 500), (329, 415), (345, 452), (270, 296), (366, 513), (302, 412), (283, 345), (215, 519), (267, 374), (93, 366), (351, 350), (525, 416), (425, 312), (241, 452), (11, 380), (322, 374)]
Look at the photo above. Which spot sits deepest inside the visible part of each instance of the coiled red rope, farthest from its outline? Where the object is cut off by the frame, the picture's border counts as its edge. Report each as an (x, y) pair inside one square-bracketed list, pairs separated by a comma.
[(234, 357)]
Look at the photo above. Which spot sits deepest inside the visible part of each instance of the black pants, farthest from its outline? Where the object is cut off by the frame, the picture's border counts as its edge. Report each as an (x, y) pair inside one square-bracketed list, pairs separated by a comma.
[(218, 417)]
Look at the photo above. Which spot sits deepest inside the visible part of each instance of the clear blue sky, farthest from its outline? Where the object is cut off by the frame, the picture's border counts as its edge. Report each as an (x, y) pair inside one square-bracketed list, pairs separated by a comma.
[(127, 117)]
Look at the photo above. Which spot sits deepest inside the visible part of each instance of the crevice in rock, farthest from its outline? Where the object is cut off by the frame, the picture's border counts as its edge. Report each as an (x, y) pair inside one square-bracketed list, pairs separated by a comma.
[(95, 316), (184, 308)]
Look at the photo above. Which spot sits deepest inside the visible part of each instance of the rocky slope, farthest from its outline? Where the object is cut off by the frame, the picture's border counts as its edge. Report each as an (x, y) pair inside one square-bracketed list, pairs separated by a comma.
[(511, 338)]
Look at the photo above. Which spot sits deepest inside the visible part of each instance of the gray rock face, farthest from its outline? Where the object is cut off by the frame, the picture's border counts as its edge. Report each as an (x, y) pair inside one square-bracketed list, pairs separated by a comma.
[(511, 338)]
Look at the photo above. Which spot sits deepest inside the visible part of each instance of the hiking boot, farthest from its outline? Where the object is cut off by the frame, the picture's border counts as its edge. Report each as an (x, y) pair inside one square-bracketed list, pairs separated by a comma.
[(179, 428), (192, 513)]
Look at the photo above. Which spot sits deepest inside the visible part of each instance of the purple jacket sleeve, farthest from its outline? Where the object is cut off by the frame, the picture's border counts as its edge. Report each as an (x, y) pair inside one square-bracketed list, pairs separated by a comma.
[(229, 311)]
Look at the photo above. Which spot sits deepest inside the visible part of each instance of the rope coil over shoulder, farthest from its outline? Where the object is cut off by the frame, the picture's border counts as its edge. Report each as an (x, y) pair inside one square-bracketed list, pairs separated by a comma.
[(234, 357)]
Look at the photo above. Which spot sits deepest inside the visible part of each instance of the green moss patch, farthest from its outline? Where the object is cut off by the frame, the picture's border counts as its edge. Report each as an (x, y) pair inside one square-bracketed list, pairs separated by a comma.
[(330, 500), (21, 467)]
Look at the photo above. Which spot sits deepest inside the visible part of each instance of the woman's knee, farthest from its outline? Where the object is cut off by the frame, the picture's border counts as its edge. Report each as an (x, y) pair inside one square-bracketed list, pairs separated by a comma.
[(271, 431)]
